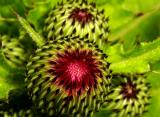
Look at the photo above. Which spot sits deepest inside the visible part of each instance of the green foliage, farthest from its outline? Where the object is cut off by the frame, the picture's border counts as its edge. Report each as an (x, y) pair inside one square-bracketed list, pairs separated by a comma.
[(134, 39), (137, 60), (35, 36)]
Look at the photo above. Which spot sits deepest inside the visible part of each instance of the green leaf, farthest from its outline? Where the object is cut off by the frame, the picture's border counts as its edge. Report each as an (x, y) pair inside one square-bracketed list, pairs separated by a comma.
[(4, 86), (138, 60), (34, 35), (10, 78), (155, 96), (120, 33)]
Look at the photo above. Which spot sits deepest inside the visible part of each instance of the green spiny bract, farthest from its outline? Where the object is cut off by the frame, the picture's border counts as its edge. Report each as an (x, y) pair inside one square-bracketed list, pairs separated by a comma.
[(68, 77), (13, 51), (129, 96), (77, 17)]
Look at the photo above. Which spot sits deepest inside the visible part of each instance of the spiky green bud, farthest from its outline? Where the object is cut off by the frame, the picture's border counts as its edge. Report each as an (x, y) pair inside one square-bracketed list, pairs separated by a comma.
[(79, 18), (68, 76), (129, 96)]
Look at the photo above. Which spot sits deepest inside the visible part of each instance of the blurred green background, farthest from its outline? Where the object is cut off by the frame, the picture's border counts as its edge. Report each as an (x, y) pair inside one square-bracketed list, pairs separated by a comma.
[(134, 40)]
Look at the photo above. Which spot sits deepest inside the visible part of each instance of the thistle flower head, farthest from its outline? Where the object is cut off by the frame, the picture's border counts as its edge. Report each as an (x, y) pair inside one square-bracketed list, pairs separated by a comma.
[(80, 18), (130, 96), (66, 76), (80, 70), (81, 15)]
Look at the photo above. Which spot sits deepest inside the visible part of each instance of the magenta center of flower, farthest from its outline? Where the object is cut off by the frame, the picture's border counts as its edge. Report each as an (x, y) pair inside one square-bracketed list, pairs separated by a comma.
[(81, 15), (129, 90), (76, 71)]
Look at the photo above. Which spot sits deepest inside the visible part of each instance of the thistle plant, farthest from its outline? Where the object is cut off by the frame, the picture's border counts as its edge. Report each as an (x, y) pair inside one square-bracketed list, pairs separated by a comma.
[(67, 66)]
